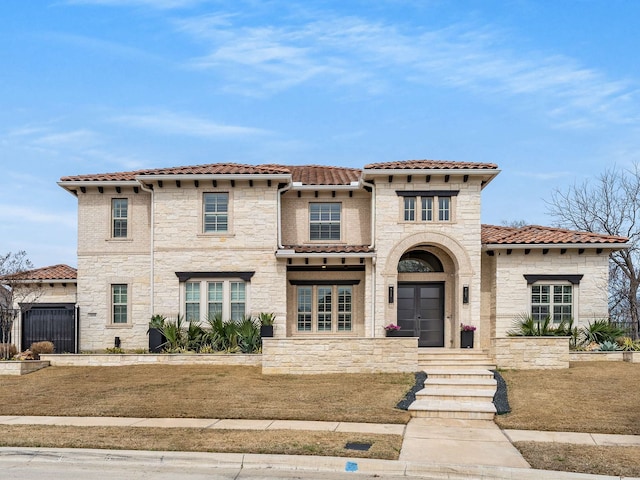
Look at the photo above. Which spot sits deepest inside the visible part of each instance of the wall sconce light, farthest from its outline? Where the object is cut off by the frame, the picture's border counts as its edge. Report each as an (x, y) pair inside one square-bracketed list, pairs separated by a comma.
[(391, 294), (465, 294)]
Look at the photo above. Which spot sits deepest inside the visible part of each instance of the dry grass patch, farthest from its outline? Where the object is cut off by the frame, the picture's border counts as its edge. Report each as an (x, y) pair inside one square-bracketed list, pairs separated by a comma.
[(200, 391), (279, 442), (592, 397), (618, 461)]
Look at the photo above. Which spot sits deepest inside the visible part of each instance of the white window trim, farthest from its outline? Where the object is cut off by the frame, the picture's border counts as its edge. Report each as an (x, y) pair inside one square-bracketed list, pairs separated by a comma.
[(110, 322), (110, 236), (575, 300), (334, 311), (342, 223), (204, 297), (230, 213)]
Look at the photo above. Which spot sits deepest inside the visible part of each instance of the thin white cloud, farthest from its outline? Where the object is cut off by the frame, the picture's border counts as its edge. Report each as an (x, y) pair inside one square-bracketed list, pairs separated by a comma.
[(156, 4), (75, 138), (180, 124), (31, 215), (544, 175), (373, 56)]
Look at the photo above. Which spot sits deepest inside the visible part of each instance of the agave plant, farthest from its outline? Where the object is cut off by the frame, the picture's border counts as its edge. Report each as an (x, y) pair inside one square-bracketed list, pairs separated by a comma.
[(608, 346), (174, 334)]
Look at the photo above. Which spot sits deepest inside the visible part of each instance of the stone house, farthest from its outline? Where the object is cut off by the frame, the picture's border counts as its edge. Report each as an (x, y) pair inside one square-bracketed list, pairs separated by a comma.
[(336, 253)]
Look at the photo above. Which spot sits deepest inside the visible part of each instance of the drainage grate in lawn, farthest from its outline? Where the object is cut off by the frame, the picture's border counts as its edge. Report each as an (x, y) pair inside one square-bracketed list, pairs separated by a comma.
[(363, 447)]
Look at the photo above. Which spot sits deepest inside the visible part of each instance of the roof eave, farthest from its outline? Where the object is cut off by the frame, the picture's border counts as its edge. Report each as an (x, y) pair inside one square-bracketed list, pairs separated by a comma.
[(487, 174), (289, 253), (215, 176), (304, 186), (524, 246)]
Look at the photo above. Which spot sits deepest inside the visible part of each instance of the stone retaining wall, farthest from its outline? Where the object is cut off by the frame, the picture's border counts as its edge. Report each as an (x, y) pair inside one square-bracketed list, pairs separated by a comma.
[(15, 367), (531, 353), (339, 355), (116, 360), (632, 357)]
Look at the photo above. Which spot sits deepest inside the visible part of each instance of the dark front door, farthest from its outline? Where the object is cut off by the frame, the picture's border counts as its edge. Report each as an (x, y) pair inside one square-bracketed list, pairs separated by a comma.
[(421, 310), (51, 322)]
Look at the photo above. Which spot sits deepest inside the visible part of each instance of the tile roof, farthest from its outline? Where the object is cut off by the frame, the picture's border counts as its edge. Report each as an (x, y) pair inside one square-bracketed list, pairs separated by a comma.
[(53, 272), (307, 174), (535, 234), (209, 169), (329, 248), (430, 165), (321, 175)]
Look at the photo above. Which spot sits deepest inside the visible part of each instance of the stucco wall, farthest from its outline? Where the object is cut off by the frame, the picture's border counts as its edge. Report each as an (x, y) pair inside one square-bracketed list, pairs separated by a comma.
[(531, 353), (513, 295), (339, 355), (355, 221)]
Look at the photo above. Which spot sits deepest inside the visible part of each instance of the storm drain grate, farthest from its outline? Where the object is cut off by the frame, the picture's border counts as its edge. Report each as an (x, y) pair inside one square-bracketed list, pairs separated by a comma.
[(363, 447)]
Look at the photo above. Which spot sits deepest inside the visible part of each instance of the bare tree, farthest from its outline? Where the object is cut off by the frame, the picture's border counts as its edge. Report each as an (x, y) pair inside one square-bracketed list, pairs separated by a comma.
[(514, 223), (609, 204), (14, 290)]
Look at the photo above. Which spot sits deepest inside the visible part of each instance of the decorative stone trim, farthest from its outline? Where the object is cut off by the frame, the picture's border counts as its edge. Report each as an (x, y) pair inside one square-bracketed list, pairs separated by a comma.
[(17, 367), (531, 353), (339, 355), (117, 360)]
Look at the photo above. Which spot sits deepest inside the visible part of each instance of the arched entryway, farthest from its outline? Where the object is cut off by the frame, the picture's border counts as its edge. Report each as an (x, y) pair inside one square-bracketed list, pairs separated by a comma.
[(421, 304)]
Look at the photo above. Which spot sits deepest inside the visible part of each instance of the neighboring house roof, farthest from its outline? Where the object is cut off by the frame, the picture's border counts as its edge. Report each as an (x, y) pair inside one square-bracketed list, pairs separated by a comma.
[(53, 272), (305, 174), (430, 165), (538, 235)]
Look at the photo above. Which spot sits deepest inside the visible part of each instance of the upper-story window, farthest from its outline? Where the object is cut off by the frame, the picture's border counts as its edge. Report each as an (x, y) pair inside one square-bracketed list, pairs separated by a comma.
[(216, 212), (119, 217), (324, 221), (426, 206)]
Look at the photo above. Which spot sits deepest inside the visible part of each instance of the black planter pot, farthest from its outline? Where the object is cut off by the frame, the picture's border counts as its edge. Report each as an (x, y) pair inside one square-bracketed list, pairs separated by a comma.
[(466, 339), (400, 333), (266, 331), (156, 339)]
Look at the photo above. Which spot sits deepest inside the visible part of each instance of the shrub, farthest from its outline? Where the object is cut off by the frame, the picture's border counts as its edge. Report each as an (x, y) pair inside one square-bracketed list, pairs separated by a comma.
[(601, 331), (8, 350), (114, 350), (38, 348), (524, 325)]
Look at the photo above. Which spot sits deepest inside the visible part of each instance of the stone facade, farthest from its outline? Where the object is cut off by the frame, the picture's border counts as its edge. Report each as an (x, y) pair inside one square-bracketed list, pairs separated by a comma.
[(268, 246), (508, 294), (336, 355), (531, 353), (117, 360)]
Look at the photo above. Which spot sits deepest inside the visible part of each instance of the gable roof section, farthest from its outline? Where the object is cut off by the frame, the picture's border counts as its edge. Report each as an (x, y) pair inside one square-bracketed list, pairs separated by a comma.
[(537, 235), (430, 165), (208, 169), (322, 175), (58, 272)]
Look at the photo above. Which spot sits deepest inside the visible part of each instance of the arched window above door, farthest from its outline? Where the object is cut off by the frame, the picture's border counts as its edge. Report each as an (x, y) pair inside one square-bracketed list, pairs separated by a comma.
[(419, 261)]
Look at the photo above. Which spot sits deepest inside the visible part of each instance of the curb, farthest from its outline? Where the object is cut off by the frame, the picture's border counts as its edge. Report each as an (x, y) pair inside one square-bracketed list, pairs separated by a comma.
[(291, 463)]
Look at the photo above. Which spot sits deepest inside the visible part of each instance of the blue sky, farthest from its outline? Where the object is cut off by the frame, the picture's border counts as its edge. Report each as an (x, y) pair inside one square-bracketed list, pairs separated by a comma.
[(548, 90)]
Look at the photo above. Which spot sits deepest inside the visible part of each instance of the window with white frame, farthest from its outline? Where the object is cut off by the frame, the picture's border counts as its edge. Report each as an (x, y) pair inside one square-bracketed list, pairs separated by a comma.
[(324, 221), (444, 209), (324, 308), (119, 217), (215, 212), (554, 301), (210, 297), (119, 303)]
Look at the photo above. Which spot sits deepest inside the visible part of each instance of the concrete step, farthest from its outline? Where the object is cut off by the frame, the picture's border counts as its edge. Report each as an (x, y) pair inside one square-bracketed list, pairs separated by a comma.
[(458, 394), (458, 373), (463, 384), (470, 410), (456, 364)]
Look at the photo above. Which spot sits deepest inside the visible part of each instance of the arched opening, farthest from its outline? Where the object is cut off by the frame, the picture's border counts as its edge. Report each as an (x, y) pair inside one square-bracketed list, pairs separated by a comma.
[(419, 261), (421, 295)]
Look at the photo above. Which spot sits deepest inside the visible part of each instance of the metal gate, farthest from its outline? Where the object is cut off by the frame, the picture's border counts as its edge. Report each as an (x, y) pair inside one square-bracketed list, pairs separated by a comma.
[(53, 322)]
